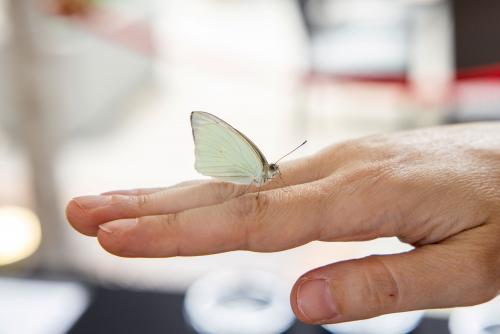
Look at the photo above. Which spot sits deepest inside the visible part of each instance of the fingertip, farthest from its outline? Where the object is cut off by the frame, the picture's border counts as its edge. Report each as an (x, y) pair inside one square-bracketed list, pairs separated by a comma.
[(86, 213), (111, 242), (123, 237), (312, 300), (294, 303), (77, 217)]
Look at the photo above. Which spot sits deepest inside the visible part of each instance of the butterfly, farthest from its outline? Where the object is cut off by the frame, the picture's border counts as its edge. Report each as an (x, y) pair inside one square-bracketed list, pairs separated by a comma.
[(225, 153)]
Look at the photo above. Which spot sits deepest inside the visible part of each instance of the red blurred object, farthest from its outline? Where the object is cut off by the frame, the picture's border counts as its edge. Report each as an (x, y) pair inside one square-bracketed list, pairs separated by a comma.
[(490, 72), (70, 7), (105, 22)]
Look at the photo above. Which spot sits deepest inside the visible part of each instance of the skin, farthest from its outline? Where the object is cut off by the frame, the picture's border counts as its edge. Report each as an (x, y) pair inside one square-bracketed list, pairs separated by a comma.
[(437, 189)]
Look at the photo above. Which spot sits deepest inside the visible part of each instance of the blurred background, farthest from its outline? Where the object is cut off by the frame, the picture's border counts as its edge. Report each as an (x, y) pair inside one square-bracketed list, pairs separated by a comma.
[(95, 95)]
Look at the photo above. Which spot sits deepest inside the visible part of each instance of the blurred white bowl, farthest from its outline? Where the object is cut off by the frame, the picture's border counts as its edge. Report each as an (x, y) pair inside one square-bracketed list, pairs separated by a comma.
[(395, 323), (238, 302), (479, 319)]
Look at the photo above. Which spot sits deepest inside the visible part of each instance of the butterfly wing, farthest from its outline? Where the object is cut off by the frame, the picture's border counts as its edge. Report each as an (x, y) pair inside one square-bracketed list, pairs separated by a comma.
[(223, 152)]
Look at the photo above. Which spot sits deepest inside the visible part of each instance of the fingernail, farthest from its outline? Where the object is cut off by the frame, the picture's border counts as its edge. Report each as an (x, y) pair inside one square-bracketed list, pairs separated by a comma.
[(118, 225), (314, 299), (120, 192), (92, 202)]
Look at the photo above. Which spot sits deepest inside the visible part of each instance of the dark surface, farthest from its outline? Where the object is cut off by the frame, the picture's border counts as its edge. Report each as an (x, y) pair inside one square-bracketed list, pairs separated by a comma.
[(124, 311), (477, 31)]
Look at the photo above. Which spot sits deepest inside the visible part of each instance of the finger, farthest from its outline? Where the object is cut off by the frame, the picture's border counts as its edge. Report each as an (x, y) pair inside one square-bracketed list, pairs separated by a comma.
[(275, 220), (455, 273), (296, 171), (87, 212), (134, 192), (146, 191), (299, 171)]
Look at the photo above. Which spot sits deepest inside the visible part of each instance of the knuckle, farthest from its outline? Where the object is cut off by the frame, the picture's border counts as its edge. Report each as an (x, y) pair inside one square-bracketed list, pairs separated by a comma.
[(118, 199), (141, 200), (224, 190), (138, 201), (169, 227), (250, 207), (342, 148), (486, 290), (366, 173), (354, 179), (355, 148), (322, 192), (248, 212), (382, 290), (336, 154), (487, 268), (168, 222), (320, 198)]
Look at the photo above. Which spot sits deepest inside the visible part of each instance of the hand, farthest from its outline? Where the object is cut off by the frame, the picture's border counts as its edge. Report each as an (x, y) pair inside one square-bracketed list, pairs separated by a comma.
[(437, 189)]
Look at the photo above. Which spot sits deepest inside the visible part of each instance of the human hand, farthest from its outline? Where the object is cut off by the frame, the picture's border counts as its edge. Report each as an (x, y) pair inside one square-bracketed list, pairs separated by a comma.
[(437, 189)]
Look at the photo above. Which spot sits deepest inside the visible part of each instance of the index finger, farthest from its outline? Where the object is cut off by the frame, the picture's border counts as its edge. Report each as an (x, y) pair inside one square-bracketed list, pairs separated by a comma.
[(87, 212), (274, 220)]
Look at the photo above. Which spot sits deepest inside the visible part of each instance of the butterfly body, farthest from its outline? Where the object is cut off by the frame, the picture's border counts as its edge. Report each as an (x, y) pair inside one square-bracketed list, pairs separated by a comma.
[(225, 153), (270, 172)]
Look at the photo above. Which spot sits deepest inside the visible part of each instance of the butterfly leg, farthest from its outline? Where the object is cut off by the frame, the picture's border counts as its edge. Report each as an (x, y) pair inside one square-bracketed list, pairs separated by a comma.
[(260, 186), (246, 189), (283, 183)]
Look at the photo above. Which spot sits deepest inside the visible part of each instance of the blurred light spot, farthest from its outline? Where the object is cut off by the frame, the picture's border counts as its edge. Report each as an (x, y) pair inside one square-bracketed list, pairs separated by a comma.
[(20, 234)]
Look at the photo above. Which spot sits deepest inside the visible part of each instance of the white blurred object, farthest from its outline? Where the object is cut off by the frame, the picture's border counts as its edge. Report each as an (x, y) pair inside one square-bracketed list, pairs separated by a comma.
[(432, 72), (476, 100), (79, 75), (20, 234), (38, 307), (360, 37), (238, 302), (479, 319), (395, 323)]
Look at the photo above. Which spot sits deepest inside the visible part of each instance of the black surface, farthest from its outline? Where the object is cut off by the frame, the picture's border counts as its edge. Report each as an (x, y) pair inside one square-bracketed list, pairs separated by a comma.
[(477, 31), (125, 311)]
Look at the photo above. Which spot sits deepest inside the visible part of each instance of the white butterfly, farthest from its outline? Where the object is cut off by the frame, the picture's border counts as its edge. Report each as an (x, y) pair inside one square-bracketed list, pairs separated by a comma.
[(225, 153)]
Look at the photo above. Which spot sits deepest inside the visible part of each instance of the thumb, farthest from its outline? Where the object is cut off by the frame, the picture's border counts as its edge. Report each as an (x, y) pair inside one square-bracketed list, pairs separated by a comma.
[(433, 276)]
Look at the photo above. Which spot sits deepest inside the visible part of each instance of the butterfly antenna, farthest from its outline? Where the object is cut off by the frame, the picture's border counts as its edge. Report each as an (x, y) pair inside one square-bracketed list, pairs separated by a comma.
[(295, 149)]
